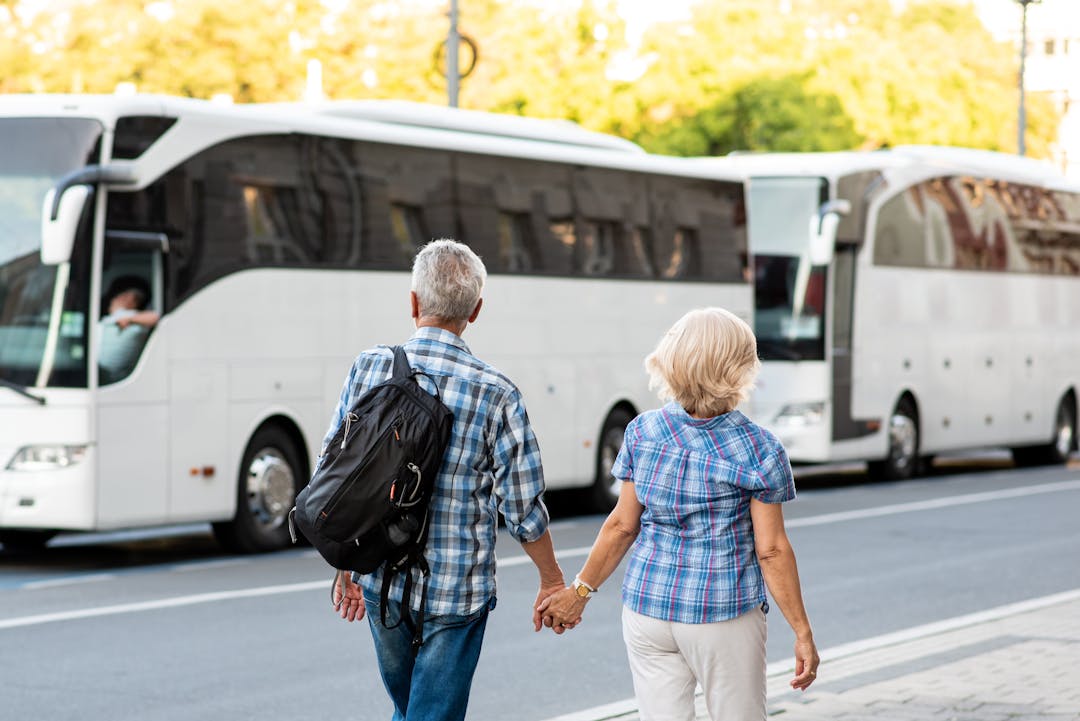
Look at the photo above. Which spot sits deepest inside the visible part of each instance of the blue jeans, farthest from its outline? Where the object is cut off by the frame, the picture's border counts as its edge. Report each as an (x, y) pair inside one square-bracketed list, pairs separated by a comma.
[(434, 685)]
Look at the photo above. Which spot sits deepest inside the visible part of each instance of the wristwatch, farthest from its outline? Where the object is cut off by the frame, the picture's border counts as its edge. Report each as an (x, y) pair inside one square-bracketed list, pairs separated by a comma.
[(582, 589)]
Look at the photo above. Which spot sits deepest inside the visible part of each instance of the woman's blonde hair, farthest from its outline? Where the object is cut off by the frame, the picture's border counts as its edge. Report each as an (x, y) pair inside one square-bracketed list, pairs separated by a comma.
[(706, 362)]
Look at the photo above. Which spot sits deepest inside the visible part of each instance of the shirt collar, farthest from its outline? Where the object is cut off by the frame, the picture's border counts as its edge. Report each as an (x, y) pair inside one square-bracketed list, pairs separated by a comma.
[(726, 420), (442, 336)]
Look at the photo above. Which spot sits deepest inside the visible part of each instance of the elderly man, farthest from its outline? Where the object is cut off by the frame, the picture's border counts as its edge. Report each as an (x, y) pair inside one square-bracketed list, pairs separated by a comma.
[(493, 461)]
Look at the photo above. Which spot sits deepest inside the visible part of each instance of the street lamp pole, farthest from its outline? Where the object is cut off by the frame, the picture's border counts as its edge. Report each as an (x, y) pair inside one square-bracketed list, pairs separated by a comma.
[(453, 42), (1022, 121)]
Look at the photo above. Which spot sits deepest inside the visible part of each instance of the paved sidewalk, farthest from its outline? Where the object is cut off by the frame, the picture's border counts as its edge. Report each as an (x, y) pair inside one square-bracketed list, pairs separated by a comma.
[(1016, 663)]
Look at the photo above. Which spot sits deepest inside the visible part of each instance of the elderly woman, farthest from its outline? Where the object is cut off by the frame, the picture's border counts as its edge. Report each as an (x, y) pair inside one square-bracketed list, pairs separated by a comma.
[(700, 512)]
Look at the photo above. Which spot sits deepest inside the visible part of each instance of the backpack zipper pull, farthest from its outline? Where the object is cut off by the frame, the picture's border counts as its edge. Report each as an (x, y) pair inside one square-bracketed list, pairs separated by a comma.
[(349, 418)]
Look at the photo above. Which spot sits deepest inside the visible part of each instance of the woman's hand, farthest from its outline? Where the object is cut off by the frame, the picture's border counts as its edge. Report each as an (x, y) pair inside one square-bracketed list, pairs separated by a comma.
[(561, 611), (806, 664)]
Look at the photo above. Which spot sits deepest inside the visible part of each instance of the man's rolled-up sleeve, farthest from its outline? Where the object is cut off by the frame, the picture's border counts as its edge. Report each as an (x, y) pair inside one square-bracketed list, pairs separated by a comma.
[(339, 413), (518, 472)]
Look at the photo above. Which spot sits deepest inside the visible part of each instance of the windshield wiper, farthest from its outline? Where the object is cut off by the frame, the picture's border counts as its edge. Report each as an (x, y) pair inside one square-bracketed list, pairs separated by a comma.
[(21, 390), (769, 346)]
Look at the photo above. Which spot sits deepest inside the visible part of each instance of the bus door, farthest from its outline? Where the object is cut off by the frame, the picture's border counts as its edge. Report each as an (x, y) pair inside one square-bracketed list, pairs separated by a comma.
[(131, 358), (844, 426)]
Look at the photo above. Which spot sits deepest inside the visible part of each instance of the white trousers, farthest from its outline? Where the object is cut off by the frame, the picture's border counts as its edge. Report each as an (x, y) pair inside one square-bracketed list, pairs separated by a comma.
[(668, 660)]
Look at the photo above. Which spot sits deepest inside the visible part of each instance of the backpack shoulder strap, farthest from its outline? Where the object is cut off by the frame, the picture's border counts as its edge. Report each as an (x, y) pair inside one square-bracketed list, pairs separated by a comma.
[(402, 370)]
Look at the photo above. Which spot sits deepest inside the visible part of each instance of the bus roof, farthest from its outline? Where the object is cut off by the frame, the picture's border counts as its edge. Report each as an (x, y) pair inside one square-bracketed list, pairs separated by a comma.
[(904, 162), (384, 121), (422, 115)]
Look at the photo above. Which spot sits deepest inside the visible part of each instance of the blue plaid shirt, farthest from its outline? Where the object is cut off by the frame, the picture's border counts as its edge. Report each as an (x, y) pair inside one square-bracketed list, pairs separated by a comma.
[(492, 463), (694, 560)]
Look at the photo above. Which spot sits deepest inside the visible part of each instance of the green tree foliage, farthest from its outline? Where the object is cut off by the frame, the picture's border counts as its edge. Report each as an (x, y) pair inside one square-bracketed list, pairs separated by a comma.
[(768, 114), (738, 75), (930, 73)]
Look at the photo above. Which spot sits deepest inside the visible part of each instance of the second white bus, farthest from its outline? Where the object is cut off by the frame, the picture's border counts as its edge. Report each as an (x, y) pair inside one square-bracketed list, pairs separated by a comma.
[(912, 302)]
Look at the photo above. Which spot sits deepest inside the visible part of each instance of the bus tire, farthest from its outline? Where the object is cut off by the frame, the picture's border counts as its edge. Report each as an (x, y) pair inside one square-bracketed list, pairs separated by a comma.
[(903, 460), (606, 488), (270, 477), (25, 541), (1057, 451)]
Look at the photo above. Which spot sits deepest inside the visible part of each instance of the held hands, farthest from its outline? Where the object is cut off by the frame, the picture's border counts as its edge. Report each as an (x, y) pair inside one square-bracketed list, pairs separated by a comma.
[(561, 611), (547, 588)]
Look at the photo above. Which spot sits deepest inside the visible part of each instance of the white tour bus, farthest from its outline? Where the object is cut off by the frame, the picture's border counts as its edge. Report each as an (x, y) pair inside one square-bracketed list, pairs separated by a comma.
[(914, 301), (275, 243)]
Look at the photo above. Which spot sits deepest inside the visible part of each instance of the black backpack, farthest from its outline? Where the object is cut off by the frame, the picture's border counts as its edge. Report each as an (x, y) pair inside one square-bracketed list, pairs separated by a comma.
[(367, 504)]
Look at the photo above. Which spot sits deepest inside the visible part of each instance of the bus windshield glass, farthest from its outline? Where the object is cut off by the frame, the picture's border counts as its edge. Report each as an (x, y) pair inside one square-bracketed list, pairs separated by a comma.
[(39, 302), (789, 292)]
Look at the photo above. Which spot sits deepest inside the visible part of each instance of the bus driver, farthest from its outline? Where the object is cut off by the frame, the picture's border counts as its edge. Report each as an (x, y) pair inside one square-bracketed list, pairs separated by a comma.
[(125, 328)]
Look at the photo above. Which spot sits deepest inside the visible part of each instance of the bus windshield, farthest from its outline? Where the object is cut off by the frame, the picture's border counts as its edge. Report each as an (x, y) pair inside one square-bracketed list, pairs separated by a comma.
[(34, 154), (789, 292)]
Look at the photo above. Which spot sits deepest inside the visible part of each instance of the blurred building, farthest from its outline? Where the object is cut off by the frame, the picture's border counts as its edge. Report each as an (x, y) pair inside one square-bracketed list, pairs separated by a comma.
[(1053, 61)]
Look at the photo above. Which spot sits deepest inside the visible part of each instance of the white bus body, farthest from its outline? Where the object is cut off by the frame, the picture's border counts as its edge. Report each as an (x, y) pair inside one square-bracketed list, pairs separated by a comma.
[(275, 242), (946, 317)]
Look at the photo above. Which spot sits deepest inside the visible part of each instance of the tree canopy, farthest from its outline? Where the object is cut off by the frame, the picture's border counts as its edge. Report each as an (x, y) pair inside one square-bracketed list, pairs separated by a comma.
[(739, 75)]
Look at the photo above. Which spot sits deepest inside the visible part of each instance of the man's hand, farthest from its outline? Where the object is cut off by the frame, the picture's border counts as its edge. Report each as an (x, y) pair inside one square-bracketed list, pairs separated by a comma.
[(349, 602), (561, 611), (547, 587)]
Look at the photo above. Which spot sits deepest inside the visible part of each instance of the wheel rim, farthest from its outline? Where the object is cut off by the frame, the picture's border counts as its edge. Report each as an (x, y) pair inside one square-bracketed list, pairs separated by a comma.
[(903, 440), (270, 486), (1066, 432), (610, 446)]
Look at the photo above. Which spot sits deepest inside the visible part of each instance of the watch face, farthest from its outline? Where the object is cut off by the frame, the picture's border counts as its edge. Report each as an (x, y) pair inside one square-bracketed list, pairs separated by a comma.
[(582, 591)]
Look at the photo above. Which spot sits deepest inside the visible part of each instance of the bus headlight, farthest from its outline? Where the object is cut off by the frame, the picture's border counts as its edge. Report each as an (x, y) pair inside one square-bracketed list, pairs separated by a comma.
[(46, 458), (800, 415)]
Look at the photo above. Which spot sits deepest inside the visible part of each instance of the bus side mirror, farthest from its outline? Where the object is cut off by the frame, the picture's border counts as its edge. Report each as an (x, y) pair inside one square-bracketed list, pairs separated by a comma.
[(60, 221), (823, 235)]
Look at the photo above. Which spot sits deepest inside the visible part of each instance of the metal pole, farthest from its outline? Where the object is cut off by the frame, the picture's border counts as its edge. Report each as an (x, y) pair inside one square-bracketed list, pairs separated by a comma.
[(1022, 123), (453, 42)]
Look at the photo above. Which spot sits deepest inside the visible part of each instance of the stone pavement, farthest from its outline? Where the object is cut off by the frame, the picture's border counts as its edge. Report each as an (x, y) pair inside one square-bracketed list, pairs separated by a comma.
[(1016, 663)]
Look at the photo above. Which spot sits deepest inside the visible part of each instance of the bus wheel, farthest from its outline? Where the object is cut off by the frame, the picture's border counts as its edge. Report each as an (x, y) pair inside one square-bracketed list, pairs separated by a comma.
[(903, 459), (266, 490), (606, 487), (1063, 443), (25, 541)]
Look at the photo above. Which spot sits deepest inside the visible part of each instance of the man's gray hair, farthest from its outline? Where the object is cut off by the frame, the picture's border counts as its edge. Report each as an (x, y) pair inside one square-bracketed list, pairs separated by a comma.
[(448, 278)]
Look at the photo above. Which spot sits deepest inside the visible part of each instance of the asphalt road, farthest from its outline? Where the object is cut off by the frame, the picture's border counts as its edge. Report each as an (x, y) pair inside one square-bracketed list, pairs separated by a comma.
[(164, 626)]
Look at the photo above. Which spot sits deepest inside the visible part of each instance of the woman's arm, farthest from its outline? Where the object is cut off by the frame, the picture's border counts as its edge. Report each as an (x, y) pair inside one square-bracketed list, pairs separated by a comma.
[(563, 609), (777, 560)]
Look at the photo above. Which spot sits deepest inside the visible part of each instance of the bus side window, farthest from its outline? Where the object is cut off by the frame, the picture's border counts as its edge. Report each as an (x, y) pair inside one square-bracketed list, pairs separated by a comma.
[(675, 239), (563, 237), (517, 248), (597, 248), (899, 239), (553, 205), (407, 224), (637, 240)]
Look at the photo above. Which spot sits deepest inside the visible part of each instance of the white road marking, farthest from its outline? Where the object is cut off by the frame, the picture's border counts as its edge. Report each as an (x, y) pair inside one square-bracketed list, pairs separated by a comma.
[(162, 603), (192, 600), (204, 565), (522, 560), (69, 580), (932, 504)]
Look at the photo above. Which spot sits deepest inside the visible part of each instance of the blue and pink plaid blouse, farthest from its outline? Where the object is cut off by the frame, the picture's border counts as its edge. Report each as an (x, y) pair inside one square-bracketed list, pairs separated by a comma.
[(694, 560)]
